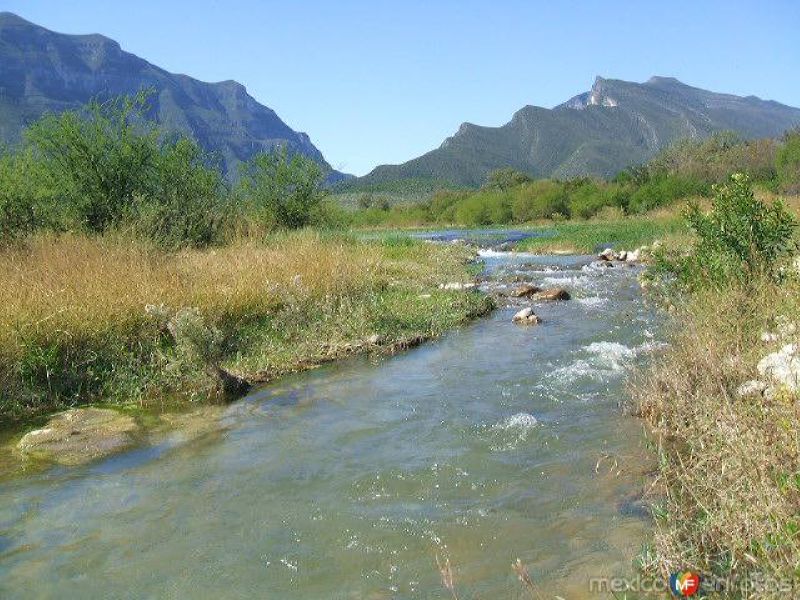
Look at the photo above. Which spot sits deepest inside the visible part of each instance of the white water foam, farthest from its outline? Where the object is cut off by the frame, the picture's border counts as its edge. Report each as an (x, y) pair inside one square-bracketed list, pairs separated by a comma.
[(604, 360), (592, 301), (512, 431), (490, 253)]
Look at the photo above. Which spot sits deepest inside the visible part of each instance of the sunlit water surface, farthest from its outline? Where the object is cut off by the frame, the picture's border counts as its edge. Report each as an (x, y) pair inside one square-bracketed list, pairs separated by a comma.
[(493, 443)]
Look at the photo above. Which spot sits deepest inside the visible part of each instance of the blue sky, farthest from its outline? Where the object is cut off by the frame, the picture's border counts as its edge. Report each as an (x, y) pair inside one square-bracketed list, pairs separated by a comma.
[(377, 82)]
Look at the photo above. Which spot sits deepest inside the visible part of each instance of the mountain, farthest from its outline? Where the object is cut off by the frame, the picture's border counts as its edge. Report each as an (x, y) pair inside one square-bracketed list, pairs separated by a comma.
[(613, 125), (43, 71)]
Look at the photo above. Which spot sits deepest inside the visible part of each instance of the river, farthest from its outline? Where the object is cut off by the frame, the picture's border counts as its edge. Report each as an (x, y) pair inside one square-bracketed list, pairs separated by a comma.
[(493, 443)]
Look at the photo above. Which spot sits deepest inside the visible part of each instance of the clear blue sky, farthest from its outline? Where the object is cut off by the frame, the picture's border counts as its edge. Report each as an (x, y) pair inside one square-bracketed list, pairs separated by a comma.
[(380, 82)]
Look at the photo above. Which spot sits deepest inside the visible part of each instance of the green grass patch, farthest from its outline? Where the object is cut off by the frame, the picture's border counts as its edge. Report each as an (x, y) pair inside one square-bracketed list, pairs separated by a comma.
[(586, 237)]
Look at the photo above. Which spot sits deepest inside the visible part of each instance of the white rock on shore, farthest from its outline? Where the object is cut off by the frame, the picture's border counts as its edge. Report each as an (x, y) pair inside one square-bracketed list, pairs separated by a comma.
[(782, 368)]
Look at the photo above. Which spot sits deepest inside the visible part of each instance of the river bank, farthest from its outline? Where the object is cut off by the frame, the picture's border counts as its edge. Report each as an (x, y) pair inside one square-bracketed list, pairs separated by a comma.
[(88, 320)]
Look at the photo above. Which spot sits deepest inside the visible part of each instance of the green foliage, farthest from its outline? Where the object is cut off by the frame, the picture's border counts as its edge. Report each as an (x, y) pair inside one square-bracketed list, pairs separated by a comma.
[(587, 198), (741, 238), (664, 189), (503, 179), (539, 200), (187, 206), (25, 193), (787, 162), (282, 189), (105, 156)]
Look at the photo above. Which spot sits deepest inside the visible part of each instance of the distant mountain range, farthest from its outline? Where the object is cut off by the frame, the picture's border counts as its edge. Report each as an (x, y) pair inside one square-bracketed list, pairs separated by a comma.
[(600, 132), (42, 71)]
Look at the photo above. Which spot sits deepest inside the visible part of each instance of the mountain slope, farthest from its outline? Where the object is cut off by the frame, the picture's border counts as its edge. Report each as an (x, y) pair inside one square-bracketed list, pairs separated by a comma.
[(43, 71), (600, 132)]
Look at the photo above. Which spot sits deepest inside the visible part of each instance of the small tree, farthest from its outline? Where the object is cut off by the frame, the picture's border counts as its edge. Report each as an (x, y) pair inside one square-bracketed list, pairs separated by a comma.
[(187, 205), (503, 179), (365, 201), (105, 155), (287, 188)]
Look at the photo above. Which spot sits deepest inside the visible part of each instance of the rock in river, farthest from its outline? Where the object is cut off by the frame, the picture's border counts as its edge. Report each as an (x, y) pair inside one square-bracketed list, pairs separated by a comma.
[(525, 290), (526, 317), (607, 254), (80, 435), (552, 294)]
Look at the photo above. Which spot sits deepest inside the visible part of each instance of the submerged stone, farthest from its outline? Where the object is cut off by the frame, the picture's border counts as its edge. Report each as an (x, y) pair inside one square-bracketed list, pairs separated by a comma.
[(80, 435), (553, 294), (525, 290)]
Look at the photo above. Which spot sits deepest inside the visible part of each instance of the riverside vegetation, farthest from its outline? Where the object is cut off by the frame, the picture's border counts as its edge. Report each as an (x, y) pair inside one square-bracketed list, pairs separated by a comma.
[(631, 209), (722, 400), (133, 272)]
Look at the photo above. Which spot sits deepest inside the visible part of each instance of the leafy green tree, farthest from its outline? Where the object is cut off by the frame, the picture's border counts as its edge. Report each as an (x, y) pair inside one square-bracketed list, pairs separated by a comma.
[(187, 205), (286, 189), (105, 155), (365, 201), (503, 179)]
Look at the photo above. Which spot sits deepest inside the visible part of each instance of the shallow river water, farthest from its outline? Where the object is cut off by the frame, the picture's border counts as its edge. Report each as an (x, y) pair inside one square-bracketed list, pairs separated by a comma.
[(493, 443)]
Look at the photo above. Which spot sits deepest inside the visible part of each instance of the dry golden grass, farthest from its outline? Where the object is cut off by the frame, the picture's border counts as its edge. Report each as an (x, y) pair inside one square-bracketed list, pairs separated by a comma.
[(73, 319), (78, 284), (727, 497)]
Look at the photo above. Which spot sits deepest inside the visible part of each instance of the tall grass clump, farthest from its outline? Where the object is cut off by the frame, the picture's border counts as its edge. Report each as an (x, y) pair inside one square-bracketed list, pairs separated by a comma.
[(727, 491)]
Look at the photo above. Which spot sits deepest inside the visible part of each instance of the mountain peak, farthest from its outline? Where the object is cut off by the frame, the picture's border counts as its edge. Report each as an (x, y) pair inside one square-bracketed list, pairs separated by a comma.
[(599, 132), (45, 71), (659, 80)]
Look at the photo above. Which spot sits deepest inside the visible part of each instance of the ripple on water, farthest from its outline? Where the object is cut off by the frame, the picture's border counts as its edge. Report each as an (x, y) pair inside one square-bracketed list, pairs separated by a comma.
[(511, 432)]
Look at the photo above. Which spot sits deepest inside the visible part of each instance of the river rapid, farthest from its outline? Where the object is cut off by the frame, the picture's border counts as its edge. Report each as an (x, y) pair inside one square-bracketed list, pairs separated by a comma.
[(493, 443)]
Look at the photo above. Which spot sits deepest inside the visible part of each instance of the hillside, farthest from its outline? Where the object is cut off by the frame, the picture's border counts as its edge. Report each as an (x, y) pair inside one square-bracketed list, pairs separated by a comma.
[(615, 124), (44, 71)]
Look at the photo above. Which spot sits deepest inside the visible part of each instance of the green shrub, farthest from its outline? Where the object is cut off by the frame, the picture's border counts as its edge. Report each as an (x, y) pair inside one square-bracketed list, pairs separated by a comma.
[(741, 238), (503, 179), (787, 162), (484, 208), (282, 189), (187, 206), (588, 197), (664, 189), (26, 196), (539, 200)]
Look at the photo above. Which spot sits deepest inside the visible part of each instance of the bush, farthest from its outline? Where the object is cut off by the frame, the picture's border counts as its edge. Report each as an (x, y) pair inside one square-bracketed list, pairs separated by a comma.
[(484, 208), (539, 200), (281, 189), (664, 189), (588, 197), (741, 238), (787, 162), (503, 179), (105, 156), (187, 206), (26, 196)]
